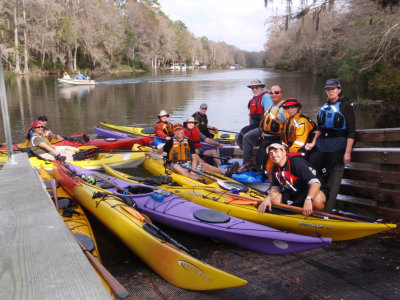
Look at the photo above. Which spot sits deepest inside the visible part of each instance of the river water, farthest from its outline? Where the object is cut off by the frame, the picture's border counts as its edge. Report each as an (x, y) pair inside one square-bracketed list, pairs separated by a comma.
[(136, 99)]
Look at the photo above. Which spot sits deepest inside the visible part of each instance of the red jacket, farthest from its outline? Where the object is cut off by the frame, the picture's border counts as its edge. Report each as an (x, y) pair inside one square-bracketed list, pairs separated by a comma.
[(194, 136)]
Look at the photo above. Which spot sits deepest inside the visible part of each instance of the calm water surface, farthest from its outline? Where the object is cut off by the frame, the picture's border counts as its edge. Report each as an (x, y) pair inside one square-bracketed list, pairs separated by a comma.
[(136, 99)]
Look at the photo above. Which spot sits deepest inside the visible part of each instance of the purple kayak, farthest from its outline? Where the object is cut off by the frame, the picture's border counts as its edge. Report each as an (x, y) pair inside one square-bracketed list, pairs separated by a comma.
[(106, 133), (169, 209)]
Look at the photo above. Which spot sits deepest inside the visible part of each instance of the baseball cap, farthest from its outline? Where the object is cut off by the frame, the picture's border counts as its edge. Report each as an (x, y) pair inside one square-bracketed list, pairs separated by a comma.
[(275, 146), (204, 106), (177, 126), (333, 83)]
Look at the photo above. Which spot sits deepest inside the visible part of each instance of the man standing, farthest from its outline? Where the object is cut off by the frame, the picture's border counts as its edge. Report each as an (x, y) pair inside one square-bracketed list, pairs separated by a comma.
[(201, 118), (257, 105), (294, 183)]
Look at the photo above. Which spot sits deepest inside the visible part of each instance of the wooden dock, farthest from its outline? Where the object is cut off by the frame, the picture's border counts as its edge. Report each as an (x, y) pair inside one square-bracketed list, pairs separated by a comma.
[(39, 257)]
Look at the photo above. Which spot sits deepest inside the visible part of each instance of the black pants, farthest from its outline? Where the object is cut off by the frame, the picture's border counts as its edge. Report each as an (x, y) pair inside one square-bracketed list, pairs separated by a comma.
[(324, 162), (243, 131), (261, 156)]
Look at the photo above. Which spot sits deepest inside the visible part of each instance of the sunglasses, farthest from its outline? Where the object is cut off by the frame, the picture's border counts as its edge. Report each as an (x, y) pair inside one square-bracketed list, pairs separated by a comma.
[(274, 92), (39, 127)]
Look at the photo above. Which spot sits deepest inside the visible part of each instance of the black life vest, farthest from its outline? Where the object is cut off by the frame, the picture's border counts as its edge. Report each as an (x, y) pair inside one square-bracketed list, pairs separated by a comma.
[(203, 120)]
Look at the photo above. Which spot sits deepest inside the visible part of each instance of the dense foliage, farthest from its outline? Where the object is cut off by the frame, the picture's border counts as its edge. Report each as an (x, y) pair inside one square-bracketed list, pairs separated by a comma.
[(357, 41), (54, 35)]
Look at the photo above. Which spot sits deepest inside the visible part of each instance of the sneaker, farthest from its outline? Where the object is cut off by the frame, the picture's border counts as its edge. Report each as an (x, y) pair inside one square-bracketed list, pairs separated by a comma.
[(232, 169), (245, 168)]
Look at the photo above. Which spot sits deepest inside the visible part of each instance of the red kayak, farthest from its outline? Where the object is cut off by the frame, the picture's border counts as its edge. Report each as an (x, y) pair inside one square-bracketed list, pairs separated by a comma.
[(79, 141)]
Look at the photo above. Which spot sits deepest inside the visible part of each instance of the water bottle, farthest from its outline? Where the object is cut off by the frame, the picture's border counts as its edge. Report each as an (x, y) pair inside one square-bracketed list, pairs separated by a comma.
[(157, 196)]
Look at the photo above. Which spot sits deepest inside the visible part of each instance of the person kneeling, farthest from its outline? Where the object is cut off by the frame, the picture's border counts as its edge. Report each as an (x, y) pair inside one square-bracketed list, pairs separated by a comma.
[(294, 182), (182, 156)]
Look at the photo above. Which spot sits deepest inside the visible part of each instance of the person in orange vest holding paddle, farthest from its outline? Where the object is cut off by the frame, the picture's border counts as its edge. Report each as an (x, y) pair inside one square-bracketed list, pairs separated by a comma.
[(294, 183)]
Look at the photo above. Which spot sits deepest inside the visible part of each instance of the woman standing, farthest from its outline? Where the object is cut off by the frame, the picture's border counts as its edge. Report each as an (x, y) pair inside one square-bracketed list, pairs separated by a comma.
[(334, 138)]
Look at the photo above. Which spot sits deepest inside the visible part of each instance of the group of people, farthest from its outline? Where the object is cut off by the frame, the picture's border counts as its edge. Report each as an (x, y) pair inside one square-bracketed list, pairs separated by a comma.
[(79, 76), (297, 154)]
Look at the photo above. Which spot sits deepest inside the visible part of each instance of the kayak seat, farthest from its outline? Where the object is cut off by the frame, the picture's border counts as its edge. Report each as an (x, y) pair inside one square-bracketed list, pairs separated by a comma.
[(211, 216), (148, 130), (139, 189)]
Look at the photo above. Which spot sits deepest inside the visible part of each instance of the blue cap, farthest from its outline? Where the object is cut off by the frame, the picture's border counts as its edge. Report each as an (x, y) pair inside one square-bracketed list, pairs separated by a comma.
[(333, 83)]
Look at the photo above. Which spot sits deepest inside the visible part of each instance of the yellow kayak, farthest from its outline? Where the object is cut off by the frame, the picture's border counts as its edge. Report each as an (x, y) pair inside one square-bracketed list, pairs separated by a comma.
[(127, 159), (75, 219), (164, 255), (149, 131), (334, 227)]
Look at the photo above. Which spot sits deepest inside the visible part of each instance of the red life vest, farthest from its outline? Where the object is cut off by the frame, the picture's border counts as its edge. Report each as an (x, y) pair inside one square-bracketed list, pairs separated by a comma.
[(286, 178), (194, 136), (256, 109)]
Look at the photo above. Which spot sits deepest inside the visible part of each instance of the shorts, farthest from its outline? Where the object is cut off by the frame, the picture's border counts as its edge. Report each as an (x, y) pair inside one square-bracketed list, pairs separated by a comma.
[(297, 199), (184, 164)]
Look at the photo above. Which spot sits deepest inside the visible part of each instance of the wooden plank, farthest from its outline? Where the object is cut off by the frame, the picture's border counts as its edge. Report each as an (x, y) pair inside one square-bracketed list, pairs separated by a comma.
[(376, 155), (39, 256), (387, 214), (391, 198), (378, 135), (384, 177)]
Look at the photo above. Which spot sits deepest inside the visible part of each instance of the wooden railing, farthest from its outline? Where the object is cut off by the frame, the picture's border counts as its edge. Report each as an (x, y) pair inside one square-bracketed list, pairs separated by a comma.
[(371, 182)]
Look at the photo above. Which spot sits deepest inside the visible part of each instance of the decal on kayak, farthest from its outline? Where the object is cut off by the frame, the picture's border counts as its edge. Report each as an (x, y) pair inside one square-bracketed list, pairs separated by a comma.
[(314, 225), (192, 268), (281, 244), (127, 156)]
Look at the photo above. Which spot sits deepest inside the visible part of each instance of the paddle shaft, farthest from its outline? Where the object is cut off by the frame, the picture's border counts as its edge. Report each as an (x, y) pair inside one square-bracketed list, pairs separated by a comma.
[(115, 286), (281, 205), (228, 131), (54, 189)]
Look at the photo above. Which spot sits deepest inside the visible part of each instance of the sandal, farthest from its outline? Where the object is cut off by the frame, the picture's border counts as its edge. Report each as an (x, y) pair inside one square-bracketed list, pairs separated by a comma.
[(245, 168)]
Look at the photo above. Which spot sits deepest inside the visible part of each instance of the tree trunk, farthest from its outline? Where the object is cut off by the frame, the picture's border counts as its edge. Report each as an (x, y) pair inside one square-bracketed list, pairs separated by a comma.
[(17, 68), (69, 59), (76, 50), (26, 58)]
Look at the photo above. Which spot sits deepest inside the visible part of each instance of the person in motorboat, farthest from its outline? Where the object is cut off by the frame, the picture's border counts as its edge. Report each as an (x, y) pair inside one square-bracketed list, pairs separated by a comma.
[(193, 133), (163, 128), (298, 129), (257, 105), (201, 117), (334, 139), (46, 132), (81, 76), (294, 183), (268, 131), (182, 158), (41, 147), (66, 76)]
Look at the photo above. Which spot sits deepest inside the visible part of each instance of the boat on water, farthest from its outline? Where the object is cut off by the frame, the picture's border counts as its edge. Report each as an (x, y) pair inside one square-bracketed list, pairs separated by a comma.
[(71, 82), (171, 260), (235, 199), (169, 209)]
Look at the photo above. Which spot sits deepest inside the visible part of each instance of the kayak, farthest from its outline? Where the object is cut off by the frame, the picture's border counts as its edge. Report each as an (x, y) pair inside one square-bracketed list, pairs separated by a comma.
[(74, 218), (75, 81), (159, 251), (127, 159), (169, 209), (106, 133), (214, 195), (77, 141), (149, 131)]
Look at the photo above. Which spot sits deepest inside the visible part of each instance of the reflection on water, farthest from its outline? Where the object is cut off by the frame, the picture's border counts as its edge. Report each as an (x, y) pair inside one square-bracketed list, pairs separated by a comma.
[(138, 98)]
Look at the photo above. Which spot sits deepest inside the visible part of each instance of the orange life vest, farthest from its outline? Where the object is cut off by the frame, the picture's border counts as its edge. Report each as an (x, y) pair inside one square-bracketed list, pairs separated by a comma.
[(298, 130), (180, 151), (270, 123)]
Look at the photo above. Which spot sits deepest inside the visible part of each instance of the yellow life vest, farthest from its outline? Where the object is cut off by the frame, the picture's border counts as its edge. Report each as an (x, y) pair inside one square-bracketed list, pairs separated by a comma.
[(298, 130), (270, 123)]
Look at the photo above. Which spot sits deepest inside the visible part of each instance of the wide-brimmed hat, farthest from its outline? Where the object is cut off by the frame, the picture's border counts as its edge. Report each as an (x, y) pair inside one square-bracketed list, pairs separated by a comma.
[(177, 126), (275, 146), (291, 102), (256, 82), (42, 118), (163, 113), (190, 120), (333, 84)]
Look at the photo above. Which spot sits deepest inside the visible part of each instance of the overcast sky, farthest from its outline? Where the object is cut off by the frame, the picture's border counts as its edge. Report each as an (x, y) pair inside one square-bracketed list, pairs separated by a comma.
[(236, 22)]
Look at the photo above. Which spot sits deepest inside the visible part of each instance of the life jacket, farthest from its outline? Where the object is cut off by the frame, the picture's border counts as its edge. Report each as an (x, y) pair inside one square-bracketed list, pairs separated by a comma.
[(194, 136), (256, 109), (28, 133), (47, 134), (203, 120), (330, 118), (166, 127), (270, 123), (180, 151), (285, 178), (298, 130)]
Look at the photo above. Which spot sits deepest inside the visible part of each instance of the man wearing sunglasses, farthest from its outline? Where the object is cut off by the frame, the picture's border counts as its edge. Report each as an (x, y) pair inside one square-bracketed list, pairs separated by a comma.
[(268, 131), (257, 105)]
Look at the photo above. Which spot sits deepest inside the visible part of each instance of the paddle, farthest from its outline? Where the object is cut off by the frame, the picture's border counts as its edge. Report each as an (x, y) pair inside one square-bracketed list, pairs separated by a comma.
[(225, 146), (115, 286), (254, 201), (228, 131), (54, 189), (148, 226)]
